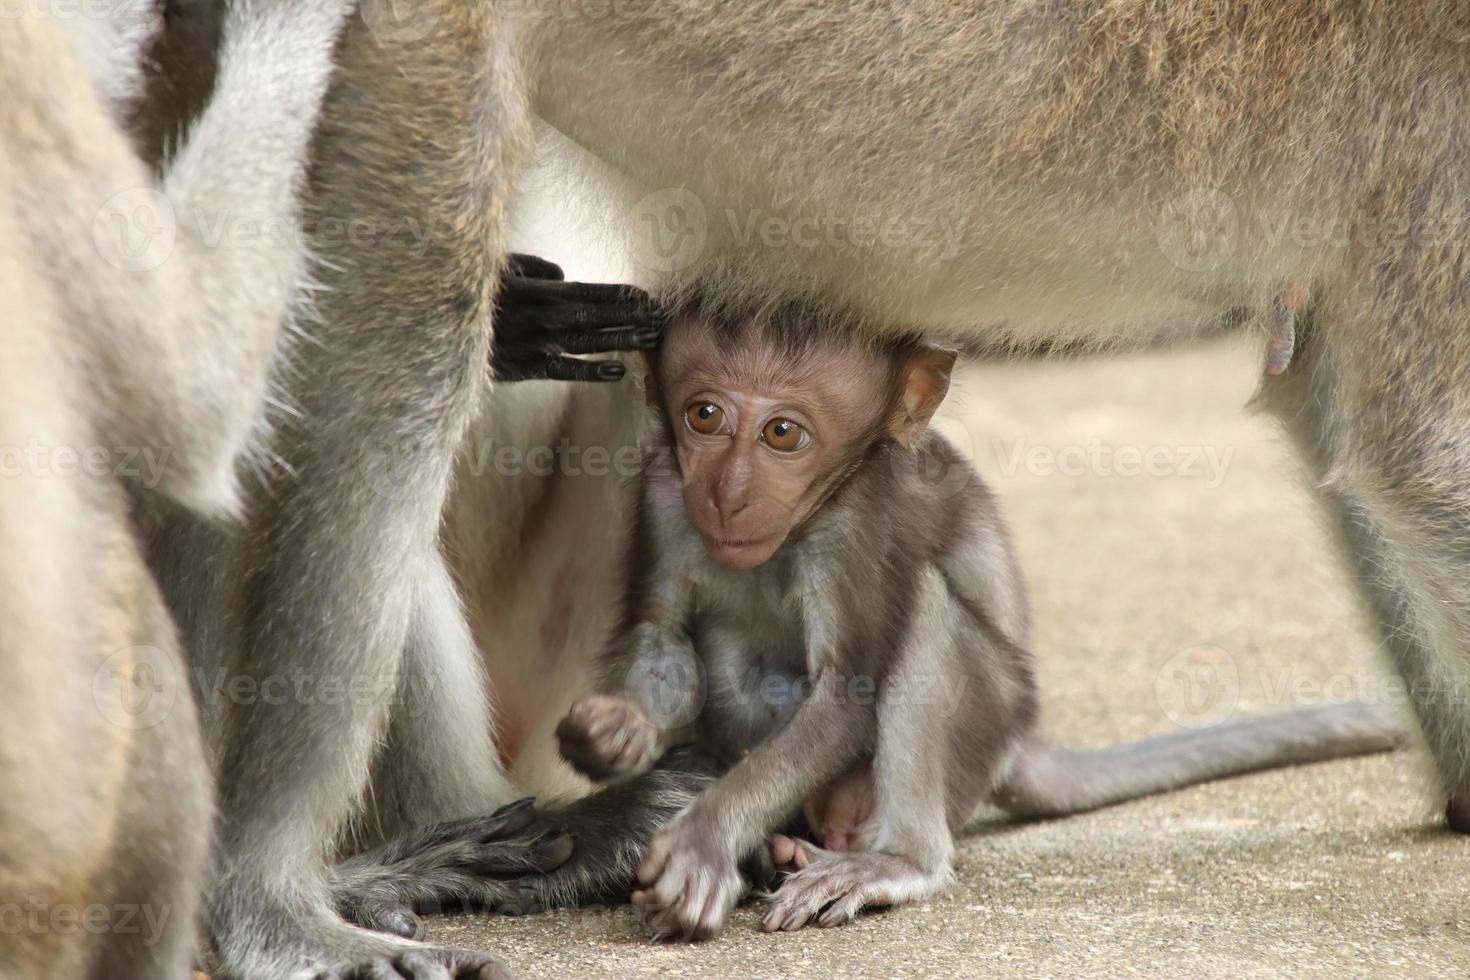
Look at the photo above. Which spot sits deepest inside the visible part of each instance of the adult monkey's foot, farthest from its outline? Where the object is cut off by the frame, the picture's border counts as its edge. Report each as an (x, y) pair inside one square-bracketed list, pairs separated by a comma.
[(471, 864), (270, 936)]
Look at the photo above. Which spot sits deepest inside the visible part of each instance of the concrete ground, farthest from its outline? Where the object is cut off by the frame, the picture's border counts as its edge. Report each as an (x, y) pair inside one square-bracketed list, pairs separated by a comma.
[(1203, 587)]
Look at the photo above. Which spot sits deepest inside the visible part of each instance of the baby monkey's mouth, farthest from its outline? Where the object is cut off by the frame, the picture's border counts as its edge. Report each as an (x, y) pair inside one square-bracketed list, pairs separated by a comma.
[(739, 553)]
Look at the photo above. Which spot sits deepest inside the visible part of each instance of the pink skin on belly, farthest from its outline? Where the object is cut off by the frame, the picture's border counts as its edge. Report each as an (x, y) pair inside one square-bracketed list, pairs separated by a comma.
[(838, 813)]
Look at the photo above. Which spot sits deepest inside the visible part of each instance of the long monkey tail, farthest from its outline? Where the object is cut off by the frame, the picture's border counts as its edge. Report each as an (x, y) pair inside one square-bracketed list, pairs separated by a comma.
[(1051, 781)]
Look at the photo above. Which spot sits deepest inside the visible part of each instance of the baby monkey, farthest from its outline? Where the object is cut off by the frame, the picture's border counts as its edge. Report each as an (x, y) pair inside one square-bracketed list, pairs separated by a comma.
[(823, 595)]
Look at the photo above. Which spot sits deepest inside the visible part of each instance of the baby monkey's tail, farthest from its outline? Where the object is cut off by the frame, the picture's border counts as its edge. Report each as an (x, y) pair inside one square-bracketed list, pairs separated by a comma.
[(1051, 781)]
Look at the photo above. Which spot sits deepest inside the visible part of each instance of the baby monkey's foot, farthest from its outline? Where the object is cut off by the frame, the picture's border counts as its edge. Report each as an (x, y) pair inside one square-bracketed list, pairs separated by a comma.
[(606, 737), (830, 889)]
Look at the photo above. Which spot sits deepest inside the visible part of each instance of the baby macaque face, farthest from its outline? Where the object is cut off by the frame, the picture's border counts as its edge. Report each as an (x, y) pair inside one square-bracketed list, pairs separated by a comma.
[(765, 424)]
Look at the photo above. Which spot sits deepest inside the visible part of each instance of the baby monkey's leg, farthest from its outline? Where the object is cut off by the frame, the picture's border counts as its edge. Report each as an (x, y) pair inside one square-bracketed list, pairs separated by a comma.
[(906, 847)]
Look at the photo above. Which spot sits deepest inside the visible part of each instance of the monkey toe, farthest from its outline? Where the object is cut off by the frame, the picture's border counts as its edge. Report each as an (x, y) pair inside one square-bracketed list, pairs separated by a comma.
[(522, 898), (395, 919), (457, 965), (829, 891), (1457, 814), (426, 964)]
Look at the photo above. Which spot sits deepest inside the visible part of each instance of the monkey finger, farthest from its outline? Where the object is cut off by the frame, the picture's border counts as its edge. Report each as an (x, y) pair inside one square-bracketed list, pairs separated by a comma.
[(599, 316), (601, 292), (513, 818), (654, 860), (608, 340), (783, 852), (712, 915), (674, 921), (600, 715), (498, 860), (509, 819), (533, 267), (415, 965), (394, 918), (637, 752), (522, 898), (571, 369)]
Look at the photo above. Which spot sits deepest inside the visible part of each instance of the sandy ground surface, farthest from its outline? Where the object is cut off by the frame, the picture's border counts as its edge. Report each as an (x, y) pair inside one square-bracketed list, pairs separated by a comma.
[(1202, 586)]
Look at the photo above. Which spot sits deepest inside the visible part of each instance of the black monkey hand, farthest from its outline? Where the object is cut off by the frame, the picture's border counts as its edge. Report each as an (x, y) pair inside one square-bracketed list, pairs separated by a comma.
[(540, 319)]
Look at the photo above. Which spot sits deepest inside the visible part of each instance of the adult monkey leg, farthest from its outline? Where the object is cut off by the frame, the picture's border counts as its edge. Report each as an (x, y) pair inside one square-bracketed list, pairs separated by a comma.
[(1381, 409), (420, 134)]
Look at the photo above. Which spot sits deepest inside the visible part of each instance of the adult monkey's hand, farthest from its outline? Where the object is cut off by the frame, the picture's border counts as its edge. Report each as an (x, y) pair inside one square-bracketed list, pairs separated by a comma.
[(540, 319)]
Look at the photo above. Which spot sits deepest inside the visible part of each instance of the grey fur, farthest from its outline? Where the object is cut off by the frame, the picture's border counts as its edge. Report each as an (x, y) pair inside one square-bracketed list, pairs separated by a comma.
[(317, 592), (115, 348), (904, 579)]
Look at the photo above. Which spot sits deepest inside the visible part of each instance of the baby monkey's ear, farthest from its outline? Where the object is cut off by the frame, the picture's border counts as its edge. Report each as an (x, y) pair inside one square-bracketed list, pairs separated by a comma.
[(925, 382)]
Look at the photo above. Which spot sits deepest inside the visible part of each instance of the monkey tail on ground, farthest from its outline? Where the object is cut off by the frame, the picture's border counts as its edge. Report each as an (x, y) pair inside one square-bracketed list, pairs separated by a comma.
[(1053, 781)]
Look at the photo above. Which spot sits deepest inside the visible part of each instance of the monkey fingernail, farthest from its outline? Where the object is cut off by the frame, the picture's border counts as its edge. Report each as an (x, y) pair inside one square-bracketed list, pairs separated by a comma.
[(554, 853), (648, 336), (511, 819), (404, 923), (610, 371), (524, 803)]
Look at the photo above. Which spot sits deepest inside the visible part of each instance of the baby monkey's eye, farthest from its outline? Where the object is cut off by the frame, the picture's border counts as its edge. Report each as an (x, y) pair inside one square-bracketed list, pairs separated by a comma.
[(785, 436), (705, 418)]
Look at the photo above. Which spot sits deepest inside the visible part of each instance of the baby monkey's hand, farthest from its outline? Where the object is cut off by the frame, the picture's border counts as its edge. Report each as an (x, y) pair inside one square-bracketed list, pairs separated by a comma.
[(606, 737)]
